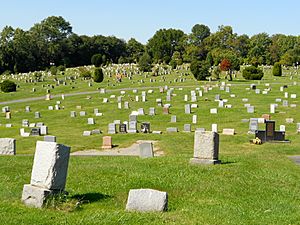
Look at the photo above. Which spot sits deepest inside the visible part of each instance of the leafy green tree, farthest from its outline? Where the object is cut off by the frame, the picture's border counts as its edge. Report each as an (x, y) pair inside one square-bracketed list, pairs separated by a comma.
[(199, 33), (135, 49), (176, 60), (145, 62), (98, 75), (96, 60), (252, 73), (277, 70), (200, 69), (53, 70), (8, 86), (164, 43)]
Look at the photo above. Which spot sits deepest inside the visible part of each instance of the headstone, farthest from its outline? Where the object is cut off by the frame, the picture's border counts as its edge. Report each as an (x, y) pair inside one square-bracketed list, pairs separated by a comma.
[(27, 109), (82, 113), (221, 104), (37, 115), (49, 138), (266, 116), (213, 111), (86, 133), (187, 128), (151, 111), (289, 120), (250, 109), (44, 130), (146, 150), (7, 146), (123, 128), (187, 109), (141, 111), (50, 107), (172, 129), (282, 128), (272, 108), (132, 127), (206, 148), (91, 121), (132, 118), (126, 105), (173, 119), (214, 127), (253, 125), (7, 115), (147, 200), (165, 110), (73, 114), (49, 173), (111, 128), (285, 103), (194, 120), (145, 127), (35, 132), (228, 131), (106, 142)]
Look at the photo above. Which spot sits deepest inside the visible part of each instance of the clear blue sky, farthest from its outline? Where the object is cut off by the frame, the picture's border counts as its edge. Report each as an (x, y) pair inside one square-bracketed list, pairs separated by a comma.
[(141, 19)]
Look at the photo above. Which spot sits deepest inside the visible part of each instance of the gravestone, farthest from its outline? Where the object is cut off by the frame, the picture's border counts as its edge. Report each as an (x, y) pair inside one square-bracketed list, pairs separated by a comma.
[(49, 173), (35, 132), (8, 115), (214, 127), (126, 105), (266, 116), (187, 127), (194, 119), (187, 109), (106, 142), (50, 138), (145, 127), (27, 109), (270, 134), (82, 113), (44, 130), (165, 110), (132, 118), (253, 125), (73, 114), (250, 109), (206, 148), (37, 115), (146, 150), (147, 200), (285, 103), (141, 111), (86, 133), (213, 111), (7, 146), (228, 131), (111, 128), (172, 129), (132, 127), (123, 128), (91, 121), (151, 111), (272, 108), (173, 119), (282, 128)]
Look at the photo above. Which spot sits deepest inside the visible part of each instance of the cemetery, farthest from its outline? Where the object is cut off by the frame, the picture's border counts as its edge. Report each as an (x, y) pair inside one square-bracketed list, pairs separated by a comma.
[(115, 180), (188, 128)]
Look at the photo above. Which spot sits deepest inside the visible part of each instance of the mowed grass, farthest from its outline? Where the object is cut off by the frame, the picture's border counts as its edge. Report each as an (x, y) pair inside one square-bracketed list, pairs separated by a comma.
[(255, 184)]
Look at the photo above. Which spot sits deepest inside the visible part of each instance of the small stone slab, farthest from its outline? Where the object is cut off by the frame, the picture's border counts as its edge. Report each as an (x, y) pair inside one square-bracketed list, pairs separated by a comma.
[(146, 150), (35, 196), (7, 146), (147, 200), (228, 131)]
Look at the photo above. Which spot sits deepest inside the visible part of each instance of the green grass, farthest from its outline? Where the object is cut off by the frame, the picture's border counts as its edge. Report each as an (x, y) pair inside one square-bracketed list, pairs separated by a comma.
[(255, 184)]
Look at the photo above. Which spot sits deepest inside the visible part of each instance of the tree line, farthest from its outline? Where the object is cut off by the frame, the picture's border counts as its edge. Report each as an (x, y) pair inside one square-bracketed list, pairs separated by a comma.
[(52, 42)]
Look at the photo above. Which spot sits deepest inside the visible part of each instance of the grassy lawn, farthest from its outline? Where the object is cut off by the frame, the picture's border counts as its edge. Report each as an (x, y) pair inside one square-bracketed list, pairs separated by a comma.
[(255, 184)]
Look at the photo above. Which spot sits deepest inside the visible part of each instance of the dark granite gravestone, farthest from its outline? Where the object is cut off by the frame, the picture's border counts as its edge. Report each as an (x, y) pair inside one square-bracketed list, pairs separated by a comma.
[(270, 134), (123, 128), (145, 127), (35, 132)]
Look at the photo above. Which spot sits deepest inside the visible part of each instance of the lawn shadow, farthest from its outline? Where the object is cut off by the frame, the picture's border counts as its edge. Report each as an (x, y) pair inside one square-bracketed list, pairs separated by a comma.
[(227, 162), (90, 197), (115, 146)]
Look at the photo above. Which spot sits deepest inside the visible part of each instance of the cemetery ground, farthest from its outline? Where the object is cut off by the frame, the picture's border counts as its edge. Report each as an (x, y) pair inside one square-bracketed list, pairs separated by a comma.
[(255, 184)]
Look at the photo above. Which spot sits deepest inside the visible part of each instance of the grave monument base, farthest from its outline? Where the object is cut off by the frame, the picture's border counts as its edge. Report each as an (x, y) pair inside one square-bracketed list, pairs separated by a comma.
[(35, 196), (195, 161)]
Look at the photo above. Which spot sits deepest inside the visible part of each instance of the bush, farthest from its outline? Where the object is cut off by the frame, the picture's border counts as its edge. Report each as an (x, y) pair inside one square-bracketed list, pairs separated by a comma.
[(8, 86), (53, 70), (85, 73), (98, 75), (277, 71), (253, 73), (96, 60), (61, 68), (200, 69)]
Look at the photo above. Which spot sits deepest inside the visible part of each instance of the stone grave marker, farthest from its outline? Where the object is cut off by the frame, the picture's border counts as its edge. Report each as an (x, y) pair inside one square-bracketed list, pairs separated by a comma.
[(187, 109), (172, 129), (91, 121), (145, 127), (146, 150), (49, 173), (173, 119), (111, 128), (147, 200), (228, 131), (206, 148), (106, 142), (151, 111), (7, 146), (187, 128), (50, 138), (73, 114), (132, 127)]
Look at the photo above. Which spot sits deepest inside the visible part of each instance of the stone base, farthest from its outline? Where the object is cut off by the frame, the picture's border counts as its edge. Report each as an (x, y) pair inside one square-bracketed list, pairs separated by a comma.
[(106, 147), (35, 196), (204, 161)]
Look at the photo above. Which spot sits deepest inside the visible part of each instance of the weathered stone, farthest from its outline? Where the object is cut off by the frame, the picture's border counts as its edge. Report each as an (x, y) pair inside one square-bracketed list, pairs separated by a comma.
[(206, 148), (50, 138), (35, 196), (146, 150), (50, 165), (228, 131), (7, 146), (107, 142), (145, 200)]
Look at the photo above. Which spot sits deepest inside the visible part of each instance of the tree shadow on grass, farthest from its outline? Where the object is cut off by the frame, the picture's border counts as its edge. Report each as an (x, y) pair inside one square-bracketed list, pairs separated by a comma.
[(90, 197), (227, 162)]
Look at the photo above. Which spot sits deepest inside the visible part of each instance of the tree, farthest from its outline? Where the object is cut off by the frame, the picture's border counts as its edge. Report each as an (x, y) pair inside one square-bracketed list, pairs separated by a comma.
[(199, 33), (164, 43), (135, 49), (200, 69), (145, 62), (96, 60), (176, 60), (8, 86), (277, 71), (98, 75), (252, 73)]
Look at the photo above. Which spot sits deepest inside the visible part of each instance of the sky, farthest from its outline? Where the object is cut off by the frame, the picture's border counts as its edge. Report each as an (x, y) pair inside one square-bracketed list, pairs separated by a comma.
[(141, 19)]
